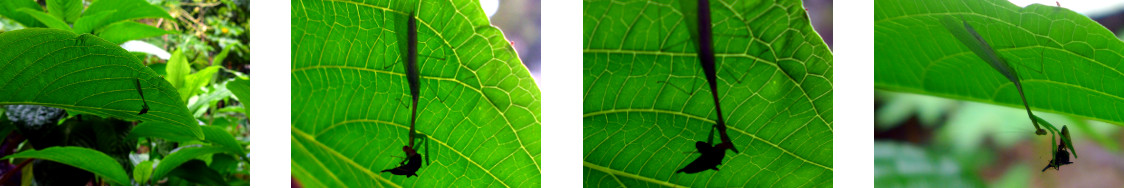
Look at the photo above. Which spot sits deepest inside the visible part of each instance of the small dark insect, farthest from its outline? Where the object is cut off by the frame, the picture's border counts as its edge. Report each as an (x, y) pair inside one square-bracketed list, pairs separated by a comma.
[(410, 165), (144, 107), (1061, 157), (711, 157)]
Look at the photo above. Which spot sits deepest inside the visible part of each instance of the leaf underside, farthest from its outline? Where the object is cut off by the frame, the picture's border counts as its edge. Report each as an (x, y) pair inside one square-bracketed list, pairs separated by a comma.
[(1066, 62), (479, 107), (61, 69), (639, 128)]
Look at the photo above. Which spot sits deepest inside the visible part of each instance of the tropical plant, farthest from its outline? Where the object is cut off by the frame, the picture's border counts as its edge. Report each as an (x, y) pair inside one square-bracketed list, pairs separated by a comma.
[(643, 94), (112, 20), (74, 101), (477, 107)]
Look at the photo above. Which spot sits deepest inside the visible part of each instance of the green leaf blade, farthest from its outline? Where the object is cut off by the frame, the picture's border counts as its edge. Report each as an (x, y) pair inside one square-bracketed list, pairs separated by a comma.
[(479, 106), (125, 31), (638, 126), (84, 158), (125, 10), (84, 73), (177, 158), (10, 9), (46, 19), (914, 53), (65, 10)]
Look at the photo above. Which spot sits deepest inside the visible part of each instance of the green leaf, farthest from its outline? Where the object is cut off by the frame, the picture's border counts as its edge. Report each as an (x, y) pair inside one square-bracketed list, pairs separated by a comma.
[(214, 135), (902, 165), (65, 10), (125, 31), (86, 74), (643, 88), (194, 82), (45, 18), (241, 89), (125, 10), (84, 158), (162, 130), (183, 154), (196, 171), (478, 104), (85, 24), (202, 103), (177, 70), (223, 139), (10, 9), (142, 172), (1044, 45)]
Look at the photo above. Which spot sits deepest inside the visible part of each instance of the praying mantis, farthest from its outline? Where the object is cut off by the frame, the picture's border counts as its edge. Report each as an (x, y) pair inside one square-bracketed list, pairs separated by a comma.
[(712, 156), (413, 161), (969, 37), (144, 107)]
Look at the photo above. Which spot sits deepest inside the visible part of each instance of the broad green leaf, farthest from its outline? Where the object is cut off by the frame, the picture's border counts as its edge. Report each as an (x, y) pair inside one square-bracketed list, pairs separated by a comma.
[(201, 104), (241, 89), (162, 130), (479, 107), (194, 82), (45, 18), (902, 165), (196, 171), (223, 139), (85, 24), (84, 73), (125, 10), (65, 10), (10, 9), (142, 172), (646, 102), (84, 158), (180, 156), (125, 31), (177, 70), (1067, 63), (214, 135)]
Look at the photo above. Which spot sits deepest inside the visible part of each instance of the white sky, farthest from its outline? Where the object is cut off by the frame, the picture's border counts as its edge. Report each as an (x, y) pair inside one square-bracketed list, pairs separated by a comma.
[(1087, 7)]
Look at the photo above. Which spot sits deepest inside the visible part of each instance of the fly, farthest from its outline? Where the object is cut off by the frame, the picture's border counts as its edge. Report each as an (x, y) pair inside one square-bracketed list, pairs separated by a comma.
[(144, 107)]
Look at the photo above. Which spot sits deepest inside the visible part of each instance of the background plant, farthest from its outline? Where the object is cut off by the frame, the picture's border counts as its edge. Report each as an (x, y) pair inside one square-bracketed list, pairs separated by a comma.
[(207, 146)]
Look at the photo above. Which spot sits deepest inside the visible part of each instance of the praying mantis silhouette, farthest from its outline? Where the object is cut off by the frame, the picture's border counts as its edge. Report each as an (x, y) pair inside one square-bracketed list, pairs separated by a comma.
[(712, 154), (409, 166), (413, 160)]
